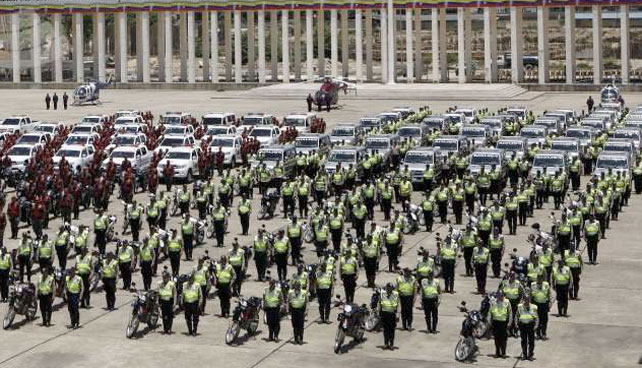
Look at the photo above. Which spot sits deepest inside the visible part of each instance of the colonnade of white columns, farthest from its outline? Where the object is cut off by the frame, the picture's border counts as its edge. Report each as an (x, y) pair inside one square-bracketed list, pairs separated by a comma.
[(288, 61)]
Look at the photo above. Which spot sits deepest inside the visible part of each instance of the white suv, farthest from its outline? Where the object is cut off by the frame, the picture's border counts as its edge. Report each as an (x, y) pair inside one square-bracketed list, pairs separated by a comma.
[(184, 160)]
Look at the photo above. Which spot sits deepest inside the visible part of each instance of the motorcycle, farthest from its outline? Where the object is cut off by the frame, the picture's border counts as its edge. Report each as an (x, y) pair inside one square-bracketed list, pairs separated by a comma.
[(466, 346), (519, 265), (200, 227), (351, 323), (22, 300), (59, 279), (412, 220), (209, 231), (308, 233), (97, 275), (144, 309), (127, 207), (311, 269), (269, 201), (246, 317), (111, 225), (175, 208), (373, 322)]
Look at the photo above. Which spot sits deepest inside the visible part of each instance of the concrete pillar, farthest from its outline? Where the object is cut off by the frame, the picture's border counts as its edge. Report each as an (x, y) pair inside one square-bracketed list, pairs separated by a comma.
[(168, 74), (182, 44), (35, 34), (383, 40), (569, 28), (597, 44), (321, 41), (142, 21), (57, 46), (121, 47), (625, 46), (99, 41), (334, 47), (419, 59), (358, 38), (516, 49), (274, 45), (261, 45), (214, 45), (191, 47), (392, 54), (309, 46), (490, 45), (238, 60), (285, 45), (227, 28), (297, 45), (15, 46), (410, 66), (205, 45), (251, 47), (438, 35), (160, 45), (543, 75), (464, 45), (369, 42), (345, 47), (78, 53)]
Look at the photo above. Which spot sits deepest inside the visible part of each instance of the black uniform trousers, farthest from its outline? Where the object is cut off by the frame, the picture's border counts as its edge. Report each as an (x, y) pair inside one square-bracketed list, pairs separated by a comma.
[(167, 311), (431, 311), (192, 314), (527, 333)]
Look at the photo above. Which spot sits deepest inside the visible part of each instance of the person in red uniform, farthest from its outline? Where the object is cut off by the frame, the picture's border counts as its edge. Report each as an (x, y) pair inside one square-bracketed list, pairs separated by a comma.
[(152, 180), (220, 156), (66, 205), (13, 210), (37, 217), (168, 174)]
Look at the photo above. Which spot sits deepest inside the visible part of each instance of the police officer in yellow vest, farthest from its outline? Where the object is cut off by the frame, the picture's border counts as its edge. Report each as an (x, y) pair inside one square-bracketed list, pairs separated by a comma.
[(61, 246), (184, 199), (245, 209), (135, 212), (6, 265), (513, 290), (298, 301), (272, 300), (109, 266), (81, 239), (541, 296), (281, 252), (388, 303), (406, 287), (294, 229), (393, 245), (500, 313), (527, 320), (562, 280), (592, 236), (371, 252), (430, 299), (187, 233), (481, 257), (448, 252), (219, 215), (325, 280), (191, 301), (74, 289), (126, 263), (468, 242), (336, 228), (236, 258), (260, 250), (45, 252), (167, 297), (573, 260), (349, 272), (147, 259), (152, 212), (45, 295), (24, 256), (84, 269), (225, 277), (100, 230)]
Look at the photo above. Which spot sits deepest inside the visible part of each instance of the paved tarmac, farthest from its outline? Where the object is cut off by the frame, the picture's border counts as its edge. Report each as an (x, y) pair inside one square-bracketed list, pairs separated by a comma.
[(602, 329)]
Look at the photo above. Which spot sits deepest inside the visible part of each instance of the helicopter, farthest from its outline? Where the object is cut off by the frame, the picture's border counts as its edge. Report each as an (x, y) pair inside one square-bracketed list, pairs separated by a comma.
[(89, 93)]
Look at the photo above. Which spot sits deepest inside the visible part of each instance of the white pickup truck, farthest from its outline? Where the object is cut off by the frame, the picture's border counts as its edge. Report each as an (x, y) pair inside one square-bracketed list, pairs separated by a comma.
[(17, 123)]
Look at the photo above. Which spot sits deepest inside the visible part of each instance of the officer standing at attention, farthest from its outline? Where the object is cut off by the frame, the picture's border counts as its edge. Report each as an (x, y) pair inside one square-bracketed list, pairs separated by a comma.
[(325, 279), (45, 295), (448, 252), (272, 300), (298, 301), (219, 215), (281, 252), (84, 269), (74, 289), (349, 272), (388, 302), (260, 253), (294, 234), (110, 275), (245, 209), (500, 313), (187, 233), (562, 281), (236, 257), (430, 298), (541, 296), (6, 265), (134, 219), (147, 256), (100, 229), (126, 263), (480, 261), (167, 296), (191, 304), (225, 277), (406, 286), (527, 317), (592, 235), (573, 260)]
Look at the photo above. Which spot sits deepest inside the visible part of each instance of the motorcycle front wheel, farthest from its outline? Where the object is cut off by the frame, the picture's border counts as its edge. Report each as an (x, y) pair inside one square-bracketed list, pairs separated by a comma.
[(132, 327), (463, 349), (30, 313), (232, 333), (338, 340), (253, 326), (8, 318), (371, 323), (309, 236)]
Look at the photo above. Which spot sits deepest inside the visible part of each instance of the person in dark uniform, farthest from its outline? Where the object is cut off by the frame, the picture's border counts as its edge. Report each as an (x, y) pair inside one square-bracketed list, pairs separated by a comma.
[(309, 100), (65, 100), (55, 101), (272, 299), (388, 303), (589, 104), (48, 101), (167, 296)]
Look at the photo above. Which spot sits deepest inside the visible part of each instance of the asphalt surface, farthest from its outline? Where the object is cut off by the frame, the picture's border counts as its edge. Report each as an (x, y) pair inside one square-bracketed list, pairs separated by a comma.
[(602, 329)]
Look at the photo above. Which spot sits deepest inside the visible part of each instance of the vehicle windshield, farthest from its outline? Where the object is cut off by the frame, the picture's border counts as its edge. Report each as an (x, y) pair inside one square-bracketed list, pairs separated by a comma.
[(343, 132), (532, 133), (485, 159), (467, 113), (342, 156), (219, 142), (19, 151), (548, 161), (125, 140), (68, 153), (217, 131), (377, 143), (91, 120), (518, 113), (419, 158), (473, 132), (271, 155), (577, 133), (11, 121), (171, 142), (172, 119), (29, 139), (564, 146), (45, 128), (294, 122), (370, 122), (593, 123), (81, 129), (175, 130), (306, 142), (131, 129), (433, 123), (252, 120), (492, 123), (446, 145), (617, 147), (626, 134), (124, 120), (218, 121), (261, 133), (612, 162), (510, 145), (547, 123), (178, 155), (409, 132), (122, 154), (77, 139)]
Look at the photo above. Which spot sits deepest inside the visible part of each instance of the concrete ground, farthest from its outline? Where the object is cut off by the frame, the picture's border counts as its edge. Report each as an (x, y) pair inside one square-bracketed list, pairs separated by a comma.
[(602, 329)]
